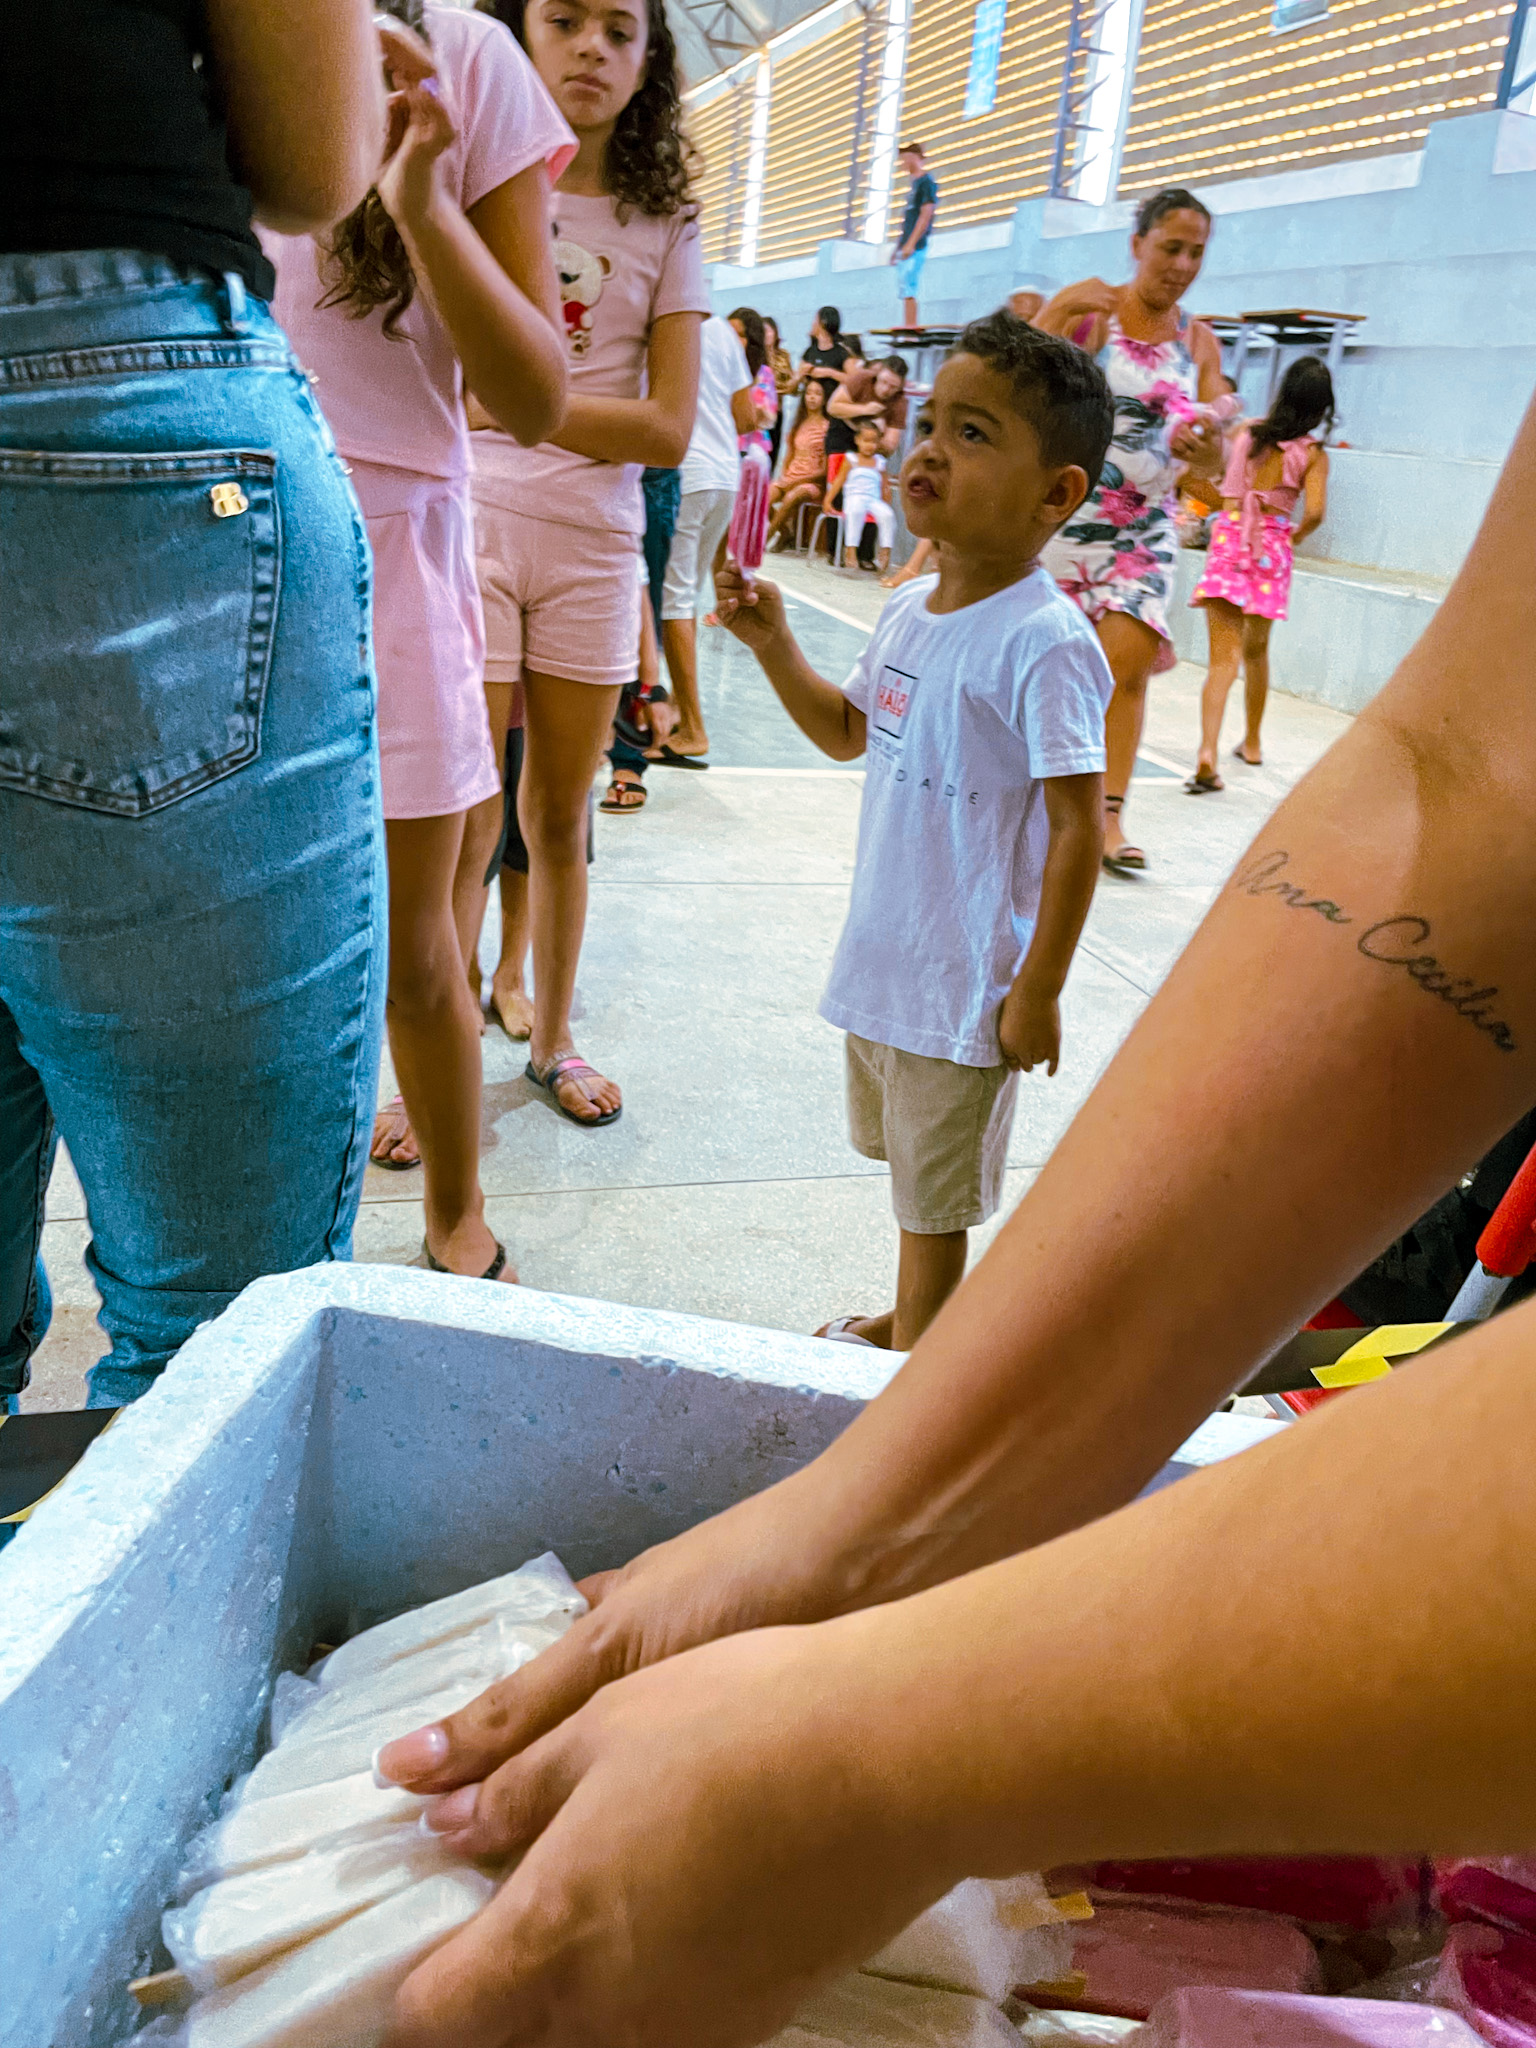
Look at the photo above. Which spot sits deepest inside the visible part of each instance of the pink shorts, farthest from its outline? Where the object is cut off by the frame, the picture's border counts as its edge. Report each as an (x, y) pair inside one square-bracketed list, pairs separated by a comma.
[(435, 753), (559, 600)]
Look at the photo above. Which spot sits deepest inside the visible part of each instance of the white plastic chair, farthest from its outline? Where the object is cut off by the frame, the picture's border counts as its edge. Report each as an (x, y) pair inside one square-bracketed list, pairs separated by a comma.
[(838, 526)]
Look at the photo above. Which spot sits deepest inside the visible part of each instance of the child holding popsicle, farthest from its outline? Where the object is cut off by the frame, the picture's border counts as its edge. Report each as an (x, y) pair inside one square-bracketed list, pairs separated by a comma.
[(979, 703)]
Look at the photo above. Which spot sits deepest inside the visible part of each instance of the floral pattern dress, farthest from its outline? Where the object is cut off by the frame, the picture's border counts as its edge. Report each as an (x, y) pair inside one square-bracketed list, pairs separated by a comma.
[(1117, 552)]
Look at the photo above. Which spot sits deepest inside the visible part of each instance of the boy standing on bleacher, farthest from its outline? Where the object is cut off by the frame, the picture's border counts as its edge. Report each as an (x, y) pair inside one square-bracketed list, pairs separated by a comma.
[(979, 702)]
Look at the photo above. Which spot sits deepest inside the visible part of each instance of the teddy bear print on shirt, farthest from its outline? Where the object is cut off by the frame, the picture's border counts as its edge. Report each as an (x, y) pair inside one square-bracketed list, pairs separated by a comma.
[(582, 277)]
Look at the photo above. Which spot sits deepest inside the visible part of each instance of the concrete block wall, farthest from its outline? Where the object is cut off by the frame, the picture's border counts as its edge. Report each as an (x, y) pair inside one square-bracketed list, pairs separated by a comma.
[(1437, 251)]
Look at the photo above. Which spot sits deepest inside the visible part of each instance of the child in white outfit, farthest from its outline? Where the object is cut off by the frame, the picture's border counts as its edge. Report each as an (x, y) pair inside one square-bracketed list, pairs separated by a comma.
[(979, 702), (866, 496)]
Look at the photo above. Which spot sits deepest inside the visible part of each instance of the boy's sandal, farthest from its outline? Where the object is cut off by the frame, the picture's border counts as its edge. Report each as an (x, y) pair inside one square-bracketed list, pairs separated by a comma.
[(393, 1165), (492, 1272), (624, 795), (574, 1065), (669, 757), (1204, 782), (841, 1331)]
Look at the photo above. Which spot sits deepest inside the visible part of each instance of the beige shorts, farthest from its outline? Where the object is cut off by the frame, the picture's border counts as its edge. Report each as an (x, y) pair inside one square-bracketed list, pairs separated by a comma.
[(560, 600), (944, 1130)]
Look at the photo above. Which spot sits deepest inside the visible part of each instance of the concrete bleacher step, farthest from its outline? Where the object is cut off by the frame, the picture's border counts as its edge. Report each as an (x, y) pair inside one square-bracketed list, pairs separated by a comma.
[(1348, 629)]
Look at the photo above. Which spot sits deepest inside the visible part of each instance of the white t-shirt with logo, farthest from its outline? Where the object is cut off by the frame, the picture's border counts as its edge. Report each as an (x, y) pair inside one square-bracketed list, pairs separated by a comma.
[(968, 712), (617, 279), (713, 461)]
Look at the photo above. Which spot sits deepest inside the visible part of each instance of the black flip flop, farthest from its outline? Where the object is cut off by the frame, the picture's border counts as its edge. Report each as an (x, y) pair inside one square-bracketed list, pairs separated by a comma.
[(395, 1165), (618, 810), (1204, 785), (492, 1272), (570, 1065), (669, 757)]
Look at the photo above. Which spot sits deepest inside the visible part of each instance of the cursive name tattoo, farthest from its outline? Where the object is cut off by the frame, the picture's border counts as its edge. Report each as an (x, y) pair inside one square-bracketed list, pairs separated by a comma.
[(1396, 942)]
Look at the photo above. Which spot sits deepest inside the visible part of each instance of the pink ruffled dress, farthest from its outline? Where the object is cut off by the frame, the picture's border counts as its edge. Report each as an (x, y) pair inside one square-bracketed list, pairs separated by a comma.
[(1249, 563)]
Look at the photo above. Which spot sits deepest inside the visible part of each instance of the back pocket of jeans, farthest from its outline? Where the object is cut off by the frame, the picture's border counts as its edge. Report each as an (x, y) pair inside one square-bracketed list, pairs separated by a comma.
[(138, 602)]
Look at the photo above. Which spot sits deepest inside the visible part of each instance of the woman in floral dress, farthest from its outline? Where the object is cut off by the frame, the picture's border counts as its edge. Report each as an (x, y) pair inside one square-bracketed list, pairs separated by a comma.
[(1116, 557)]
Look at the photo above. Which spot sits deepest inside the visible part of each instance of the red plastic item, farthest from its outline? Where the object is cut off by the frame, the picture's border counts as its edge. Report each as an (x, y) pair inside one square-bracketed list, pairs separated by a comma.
[(1508, 1242), (748, 534), (1324, 1891), (1498, 1889), (1489, 1977)]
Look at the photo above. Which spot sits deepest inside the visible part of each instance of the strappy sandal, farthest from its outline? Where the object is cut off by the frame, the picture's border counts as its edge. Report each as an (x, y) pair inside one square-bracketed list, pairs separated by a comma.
[(1130, 859), (624, 795), (572, 1064), (395, 1165), (493, 1271)]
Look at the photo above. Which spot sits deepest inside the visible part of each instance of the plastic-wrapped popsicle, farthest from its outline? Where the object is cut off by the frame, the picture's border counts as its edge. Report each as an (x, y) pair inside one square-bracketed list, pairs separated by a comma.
[(748, 534), (986, 1937), (535, 1591), (342, 1752), (242, 1922), (340, 1988), (494, 1650), (261, 1831)]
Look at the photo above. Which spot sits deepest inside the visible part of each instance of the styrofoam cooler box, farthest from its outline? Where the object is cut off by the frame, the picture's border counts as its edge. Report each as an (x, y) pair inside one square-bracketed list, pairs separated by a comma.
[(341, 1444)]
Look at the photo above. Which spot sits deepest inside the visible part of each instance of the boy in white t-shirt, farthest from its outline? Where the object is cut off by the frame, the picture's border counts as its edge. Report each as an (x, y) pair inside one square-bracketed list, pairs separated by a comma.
[(979, 702)]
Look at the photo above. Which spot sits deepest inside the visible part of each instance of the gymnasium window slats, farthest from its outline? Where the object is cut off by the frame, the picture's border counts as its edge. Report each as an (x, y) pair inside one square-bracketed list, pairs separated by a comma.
[(985, 166), (1218, 95), (720, 130), (812, 121)]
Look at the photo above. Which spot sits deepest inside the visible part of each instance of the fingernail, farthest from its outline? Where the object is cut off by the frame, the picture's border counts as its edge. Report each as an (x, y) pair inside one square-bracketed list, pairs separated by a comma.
[(410, 1756), (450, 1815)]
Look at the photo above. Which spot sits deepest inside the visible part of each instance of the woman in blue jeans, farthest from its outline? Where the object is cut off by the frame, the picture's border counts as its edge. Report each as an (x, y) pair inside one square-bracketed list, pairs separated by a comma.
[(191, 887)]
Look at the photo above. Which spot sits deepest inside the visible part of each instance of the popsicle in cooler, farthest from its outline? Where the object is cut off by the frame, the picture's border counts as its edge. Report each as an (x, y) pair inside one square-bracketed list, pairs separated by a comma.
[(985, 1937), (537, 1590), (258, 1831)]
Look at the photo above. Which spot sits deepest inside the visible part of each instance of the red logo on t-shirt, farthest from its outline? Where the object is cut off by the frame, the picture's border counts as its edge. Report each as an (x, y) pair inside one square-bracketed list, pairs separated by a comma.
[(893, 693)]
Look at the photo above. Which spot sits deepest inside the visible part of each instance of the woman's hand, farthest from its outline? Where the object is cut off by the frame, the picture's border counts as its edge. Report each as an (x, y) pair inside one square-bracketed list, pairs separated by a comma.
[(710, 1839), (749, 1568)]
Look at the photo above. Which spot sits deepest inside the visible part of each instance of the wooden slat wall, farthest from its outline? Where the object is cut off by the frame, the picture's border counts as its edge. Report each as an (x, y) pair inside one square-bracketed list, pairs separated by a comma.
[(811, 124), (985, 166), (1217, 95), (720, 130)]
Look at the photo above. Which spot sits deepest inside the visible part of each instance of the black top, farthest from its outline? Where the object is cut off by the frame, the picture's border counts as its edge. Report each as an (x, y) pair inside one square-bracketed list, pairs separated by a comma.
[(924, 192), (113, 137), (834, 358)]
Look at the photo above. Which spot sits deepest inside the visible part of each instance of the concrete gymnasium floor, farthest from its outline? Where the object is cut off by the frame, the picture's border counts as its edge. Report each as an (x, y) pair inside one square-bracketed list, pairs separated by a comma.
[(729, 1187)]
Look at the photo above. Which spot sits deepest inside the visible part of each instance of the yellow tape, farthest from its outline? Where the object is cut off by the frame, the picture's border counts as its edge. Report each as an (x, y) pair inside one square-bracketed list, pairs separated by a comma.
[(1393, 1340), (1351, 1372), (1367, 1358)]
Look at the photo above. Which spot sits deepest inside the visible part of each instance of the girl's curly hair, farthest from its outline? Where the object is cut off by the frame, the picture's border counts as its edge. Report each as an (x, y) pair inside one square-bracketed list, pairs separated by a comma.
[(365, 264), (649, 161)]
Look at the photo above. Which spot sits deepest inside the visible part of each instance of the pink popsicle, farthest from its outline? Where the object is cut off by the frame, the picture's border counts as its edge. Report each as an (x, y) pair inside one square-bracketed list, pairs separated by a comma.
[(748, 534)]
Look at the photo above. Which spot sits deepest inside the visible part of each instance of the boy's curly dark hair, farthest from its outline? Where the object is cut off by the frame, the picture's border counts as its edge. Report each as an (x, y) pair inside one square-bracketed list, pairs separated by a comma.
[(649, 161), (1058, 388), (365, 262)]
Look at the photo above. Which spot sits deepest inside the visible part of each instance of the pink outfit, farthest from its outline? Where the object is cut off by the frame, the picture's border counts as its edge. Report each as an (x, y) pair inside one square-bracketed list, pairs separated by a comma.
[(558, 534), (1249, 563), (395, 405), (617, 279), (560, 600)]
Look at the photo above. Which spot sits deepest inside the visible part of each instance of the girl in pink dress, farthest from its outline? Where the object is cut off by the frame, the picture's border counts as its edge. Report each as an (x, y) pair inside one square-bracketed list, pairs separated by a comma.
[(442, 278), (1272, 463)]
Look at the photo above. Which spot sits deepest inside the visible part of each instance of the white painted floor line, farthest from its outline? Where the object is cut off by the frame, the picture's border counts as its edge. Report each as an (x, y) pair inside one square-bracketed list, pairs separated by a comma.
[(831, 610), (1180, 768)]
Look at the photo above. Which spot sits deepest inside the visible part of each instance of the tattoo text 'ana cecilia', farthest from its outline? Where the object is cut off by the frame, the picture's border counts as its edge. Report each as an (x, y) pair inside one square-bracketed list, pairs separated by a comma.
[(1391, 941)]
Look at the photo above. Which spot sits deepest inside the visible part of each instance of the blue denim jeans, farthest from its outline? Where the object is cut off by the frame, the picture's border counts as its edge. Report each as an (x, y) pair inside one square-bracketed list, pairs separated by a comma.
[(192, 901)]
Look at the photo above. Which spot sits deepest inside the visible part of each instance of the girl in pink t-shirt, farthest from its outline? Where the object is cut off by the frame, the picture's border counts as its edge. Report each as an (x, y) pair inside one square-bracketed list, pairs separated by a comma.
[(559, 526), (1271, 464), (442, 276)]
